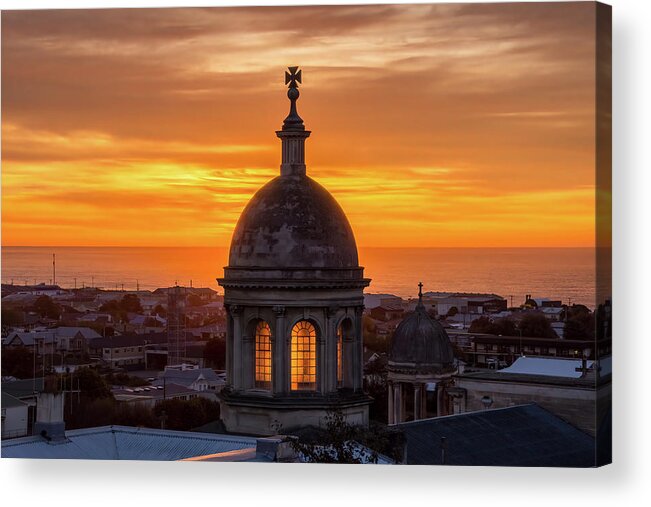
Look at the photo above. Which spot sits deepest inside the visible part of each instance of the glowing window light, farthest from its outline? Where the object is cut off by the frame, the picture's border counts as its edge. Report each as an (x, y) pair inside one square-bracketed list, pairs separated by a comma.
[(303, 357), (340, 363), (263, 355)]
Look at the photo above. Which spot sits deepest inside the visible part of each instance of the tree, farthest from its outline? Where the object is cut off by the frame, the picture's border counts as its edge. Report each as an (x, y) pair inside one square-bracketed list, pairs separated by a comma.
[(18, 362), (375, 385), (185, 415), (90, 383), (194, 300), (336, 445), (536, 325), (45, 307), (11, 317), (160, 311), (130, 303), (119, 310), (504, 326), (215, 353), (452, 311)]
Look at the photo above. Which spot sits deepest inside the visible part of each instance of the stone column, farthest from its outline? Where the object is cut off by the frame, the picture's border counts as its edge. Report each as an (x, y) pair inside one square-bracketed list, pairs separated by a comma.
[(390, 408), (321, 357), (248, 359), (236, 366), (423, 402), (397, 403), (331, 350), (440, 399), (358, 367), (418, 401), (279, 365)]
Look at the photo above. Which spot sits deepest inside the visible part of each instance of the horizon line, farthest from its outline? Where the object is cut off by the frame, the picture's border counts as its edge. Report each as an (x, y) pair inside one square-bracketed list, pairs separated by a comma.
[(359, 247)]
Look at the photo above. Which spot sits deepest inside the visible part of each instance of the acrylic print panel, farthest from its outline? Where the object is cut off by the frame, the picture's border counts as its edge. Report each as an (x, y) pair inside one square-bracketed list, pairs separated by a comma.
[(349, 234)]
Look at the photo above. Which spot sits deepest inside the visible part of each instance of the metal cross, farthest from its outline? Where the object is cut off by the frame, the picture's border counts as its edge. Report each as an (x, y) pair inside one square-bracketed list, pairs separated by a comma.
[(293, 77), (420, 289)]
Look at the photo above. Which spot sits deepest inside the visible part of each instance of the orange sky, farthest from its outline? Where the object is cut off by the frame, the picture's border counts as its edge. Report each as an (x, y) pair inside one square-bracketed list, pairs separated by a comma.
[(432, 125)]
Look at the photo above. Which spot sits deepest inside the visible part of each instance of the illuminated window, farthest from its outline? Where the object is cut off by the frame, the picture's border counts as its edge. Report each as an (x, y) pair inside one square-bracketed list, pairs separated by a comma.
[(263, 355), (340, 348), (303, 369)]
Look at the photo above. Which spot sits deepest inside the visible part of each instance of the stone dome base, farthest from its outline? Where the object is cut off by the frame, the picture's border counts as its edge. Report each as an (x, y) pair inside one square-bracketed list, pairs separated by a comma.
[(269, 416)]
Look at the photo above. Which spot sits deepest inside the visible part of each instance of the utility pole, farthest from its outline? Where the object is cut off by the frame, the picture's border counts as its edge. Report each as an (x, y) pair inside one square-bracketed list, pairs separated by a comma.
[(54, 269)]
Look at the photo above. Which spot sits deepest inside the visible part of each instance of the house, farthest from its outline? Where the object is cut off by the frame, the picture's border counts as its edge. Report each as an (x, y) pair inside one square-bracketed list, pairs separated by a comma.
[(384, 314), (43, 342), (151, 395), (197, 379), (488, 348), (15, 417), (26, 391), (125, 351)]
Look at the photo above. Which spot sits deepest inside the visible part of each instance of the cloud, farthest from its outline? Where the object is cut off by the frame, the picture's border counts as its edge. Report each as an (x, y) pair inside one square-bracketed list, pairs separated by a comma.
[(461, 108)]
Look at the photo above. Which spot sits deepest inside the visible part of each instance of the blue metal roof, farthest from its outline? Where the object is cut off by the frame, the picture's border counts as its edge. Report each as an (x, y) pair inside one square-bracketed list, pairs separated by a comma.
[(125, 443)]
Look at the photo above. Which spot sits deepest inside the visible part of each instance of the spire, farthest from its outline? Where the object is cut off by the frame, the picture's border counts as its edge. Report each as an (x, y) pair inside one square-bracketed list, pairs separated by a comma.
[(420, 305), (293, 133)]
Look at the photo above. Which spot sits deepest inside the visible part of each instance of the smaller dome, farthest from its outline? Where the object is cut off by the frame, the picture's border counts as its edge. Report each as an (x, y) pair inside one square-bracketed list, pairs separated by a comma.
[(421, 340)]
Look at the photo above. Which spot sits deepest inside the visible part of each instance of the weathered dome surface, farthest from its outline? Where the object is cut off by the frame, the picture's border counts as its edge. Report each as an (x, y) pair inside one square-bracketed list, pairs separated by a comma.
[(293, 222), (422, 340)]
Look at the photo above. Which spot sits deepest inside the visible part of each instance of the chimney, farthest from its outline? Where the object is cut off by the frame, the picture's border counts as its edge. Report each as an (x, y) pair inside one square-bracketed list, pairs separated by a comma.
[(278, 448), (49, 412)]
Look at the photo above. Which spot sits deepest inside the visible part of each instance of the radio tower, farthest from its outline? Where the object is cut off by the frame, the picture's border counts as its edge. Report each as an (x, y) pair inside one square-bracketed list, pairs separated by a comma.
[(176, 346)]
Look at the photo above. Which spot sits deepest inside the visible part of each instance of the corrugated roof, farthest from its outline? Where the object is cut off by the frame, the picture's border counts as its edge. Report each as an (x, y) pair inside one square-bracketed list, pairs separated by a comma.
[(524, 435), (9, 401), (23, 388), (549, 366), (125, 443)]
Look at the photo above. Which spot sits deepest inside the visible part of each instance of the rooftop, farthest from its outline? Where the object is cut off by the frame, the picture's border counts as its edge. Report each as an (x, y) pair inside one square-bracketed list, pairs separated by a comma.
[(125, 443), (524, 435)]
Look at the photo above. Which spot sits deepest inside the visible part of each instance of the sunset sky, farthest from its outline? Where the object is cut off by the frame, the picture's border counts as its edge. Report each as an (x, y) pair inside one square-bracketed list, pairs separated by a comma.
[(432, 125)]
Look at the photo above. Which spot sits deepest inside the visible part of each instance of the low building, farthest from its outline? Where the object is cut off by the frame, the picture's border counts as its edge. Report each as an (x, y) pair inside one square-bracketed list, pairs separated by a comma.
[(15, 417), (125, 351), (576, 390), (26, 391), (524, 435)]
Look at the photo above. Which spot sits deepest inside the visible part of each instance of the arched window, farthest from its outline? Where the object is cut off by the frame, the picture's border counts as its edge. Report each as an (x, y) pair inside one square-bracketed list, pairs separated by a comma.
[(263, 355), (340, 355), (303, 355)]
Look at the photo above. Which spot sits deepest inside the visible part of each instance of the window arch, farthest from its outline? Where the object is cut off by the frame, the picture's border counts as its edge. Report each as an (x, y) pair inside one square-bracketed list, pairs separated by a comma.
[(263, 355), (303, 356)]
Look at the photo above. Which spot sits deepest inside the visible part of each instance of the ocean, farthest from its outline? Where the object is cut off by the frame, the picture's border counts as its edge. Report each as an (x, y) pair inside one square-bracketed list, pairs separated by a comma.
[(557, 273)]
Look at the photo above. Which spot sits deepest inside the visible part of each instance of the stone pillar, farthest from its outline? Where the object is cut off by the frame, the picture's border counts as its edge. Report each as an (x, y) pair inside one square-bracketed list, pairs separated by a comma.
[(390, 408), (331, 350), (280, 360), (418, 401), (322, 357), (441, 408), (248, 358), (358, 367), (397, 403), (423, 402), (236, 366)]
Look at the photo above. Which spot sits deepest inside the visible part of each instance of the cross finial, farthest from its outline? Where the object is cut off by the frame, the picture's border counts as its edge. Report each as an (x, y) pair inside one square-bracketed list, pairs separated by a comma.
[(420, 290), (293, 77)]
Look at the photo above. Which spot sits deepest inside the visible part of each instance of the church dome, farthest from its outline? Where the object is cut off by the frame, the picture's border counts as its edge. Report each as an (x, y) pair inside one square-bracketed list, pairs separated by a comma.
[(421, 340), (293, 222)]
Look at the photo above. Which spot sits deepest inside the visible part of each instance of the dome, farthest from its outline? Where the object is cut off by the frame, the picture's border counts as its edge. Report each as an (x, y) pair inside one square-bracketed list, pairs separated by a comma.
[(422, 340), (293, 222)]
